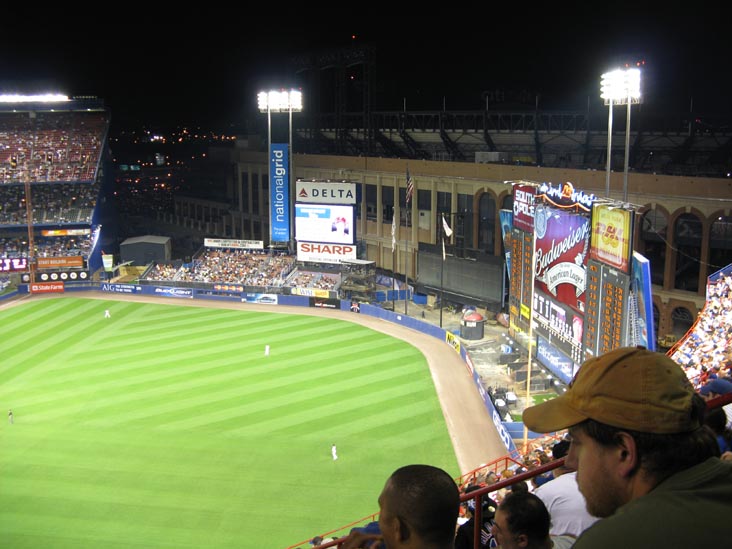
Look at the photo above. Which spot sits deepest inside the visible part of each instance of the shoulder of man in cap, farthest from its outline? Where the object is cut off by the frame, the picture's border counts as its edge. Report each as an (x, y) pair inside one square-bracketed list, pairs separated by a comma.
[(717, 386)]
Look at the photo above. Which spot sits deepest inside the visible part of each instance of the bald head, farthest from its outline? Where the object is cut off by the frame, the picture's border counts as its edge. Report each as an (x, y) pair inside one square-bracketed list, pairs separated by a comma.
[(424, 501)]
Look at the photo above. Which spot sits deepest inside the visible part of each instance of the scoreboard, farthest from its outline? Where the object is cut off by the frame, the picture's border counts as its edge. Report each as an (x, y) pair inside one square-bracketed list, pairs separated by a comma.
[(606, 313)]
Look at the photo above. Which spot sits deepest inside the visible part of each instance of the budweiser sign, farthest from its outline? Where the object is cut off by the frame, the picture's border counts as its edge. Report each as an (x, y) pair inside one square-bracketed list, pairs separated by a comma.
[(562, 245)]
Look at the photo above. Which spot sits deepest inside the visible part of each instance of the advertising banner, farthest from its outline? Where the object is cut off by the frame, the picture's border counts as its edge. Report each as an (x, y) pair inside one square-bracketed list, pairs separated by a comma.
[(325, 192), (562, 251), (228, 243), (262, 299), (324, 253), (523, 207), (324, 303), (63, 275), (279, 189), (506, 233), (60, 262), (327, 223), (65, 232), (108, 262), (120, 288), (559, 325), (311, 292), (169, 292), (642, 290), (612, 230), (13, 264), (47, 288), (557, 363)]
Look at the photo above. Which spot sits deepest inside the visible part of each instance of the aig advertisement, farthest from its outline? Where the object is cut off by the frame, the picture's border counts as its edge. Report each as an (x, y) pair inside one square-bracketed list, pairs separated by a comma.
[(279, 189), (562, 251), (325, 192)]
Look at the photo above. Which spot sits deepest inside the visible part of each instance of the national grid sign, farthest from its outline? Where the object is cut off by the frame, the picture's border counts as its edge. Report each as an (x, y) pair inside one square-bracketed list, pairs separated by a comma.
[(279, 188)]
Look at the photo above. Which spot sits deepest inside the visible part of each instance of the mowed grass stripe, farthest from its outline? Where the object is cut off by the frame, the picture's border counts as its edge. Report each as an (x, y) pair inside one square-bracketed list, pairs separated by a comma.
[(183, 363), (284, 409), (144, 388), (233, 400), (124, 447)]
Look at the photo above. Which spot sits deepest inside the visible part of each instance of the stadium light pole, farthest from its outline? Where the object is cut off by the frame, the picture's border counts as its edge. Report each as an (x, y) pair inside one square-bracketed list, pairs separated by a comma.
[(281, 101), (620, 87)]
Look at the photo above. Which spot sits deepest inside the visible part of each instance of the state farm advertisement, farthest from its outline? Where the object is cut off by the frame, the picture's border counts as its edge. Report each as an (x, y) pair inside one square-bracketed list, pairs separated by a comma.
[(562, 250), (47, 287), (325, 253)]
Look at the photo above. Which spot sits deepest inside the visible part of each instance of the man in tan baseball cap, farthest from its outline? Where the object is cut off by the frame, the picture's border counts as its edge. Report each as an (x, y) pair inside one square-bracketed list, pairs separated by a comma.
[(645, 462)]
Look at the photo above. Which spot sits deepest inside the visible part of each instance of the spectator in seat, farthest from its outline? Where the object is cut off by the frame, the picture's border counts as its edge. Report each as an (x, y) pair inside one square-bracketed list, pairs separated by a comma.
[(716, 419), (715, 388), (522, 522), (418, 509), (466, 531), (563, 500), (645, 461)]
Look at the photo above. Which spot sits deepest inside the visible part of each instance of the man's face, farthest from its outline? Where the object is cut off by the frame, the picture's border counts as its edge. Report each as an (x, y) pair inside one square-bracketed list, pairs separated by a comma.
[(501, 532), (388, 521), (595, 474)]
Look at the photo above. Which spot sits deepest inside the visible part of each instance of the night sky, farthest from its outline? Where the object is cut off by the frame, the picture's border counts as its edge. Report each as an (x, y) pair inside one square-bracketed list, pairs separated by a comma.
[(205, 68)]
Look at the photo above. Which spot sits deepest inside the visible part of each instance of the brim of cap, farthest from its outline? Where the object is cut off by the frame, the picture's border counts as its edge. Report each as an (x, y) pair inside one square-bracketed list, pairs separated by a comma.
[(552, 415)]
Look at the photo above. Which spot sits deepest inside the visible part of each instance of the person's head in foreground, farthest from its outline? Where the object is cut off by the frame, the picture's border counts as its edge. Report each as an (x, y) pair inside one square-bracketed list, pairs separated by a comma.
[(419, 507), (638, 441), (522, 522)]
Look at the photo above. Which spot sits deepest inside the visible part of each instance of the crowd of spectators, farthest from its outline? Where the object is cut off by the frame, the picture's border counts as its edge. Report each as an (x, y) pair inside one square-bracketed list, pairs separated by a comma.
[(708, 345), (56, 203), (225, 266), (47, 246), (245, 267), (50, 147), (309, 279)]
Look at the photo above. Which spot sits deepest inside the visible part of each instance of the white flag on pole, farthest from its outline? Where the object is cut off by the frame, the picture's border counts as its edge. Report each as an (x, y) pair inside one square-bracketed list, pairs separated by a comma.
[(448, 230), (393, 232)]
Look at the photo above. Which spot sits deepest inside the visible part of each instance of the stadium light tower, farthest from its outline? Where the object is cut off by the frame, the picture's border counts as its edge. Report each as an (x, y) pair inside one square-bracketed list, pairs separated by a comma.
[(619, 87), (281, 101)]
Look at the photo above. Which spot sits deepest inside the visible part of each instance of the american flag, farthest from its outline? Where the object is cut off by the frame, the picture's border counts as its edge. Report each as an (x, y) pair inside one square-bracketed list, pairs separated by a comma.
[(410, 186)]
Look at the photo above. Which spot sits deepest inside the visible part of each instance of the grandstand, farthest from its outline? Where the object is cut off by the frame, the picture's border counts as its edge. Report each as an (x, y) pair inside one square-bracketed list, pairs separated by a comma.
[(52, 175)]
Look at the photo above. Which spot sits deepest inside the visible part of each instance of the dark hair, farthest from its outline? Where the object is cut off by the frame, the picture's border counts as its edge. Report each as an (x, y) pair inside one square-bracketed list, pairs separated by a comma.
[(560, 449), (527, 515), (716, 420), (427, 499), (519, 486), (662, 455)]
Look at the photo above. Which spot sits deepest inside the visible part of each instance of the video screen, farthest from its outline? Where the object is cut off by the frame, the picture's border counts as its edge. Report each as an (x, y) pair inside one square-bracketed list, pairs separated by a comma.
[(324, 223)]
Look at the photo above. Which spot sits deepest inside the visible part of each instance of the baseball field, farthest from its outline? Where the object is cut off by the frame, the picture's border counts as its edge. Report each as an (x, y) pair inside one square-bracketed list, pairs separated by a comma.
[(168, 425)]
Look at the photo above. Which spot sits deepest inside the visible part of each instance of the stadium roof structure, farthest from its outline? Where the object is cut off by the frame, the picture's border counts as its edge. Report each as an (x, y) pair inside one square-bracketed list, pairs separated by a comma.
[(50, 102), (150, 239)]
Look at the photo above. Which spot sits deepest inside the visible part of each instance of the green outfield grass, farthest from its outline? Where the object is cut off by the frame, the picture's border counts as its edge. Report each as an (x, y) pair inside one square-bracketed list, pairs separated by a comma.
[(166, 426)]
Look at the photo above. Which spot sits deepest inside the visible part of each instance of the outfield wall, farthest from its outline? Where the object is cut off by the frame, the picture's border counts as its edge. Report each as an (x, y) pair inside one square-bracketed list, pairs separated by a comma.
[(274, 299)]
